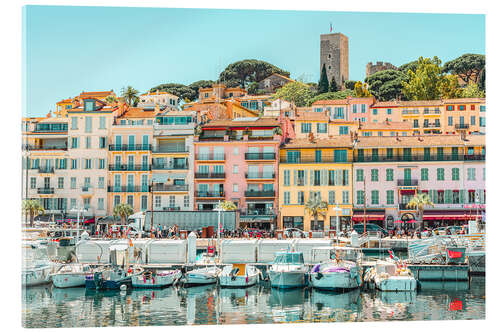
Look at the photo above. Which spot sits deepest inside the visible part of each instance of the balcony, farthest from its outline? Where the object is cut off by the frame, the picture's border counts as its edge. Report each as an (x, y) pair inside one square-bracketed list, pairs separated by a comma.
[(211, 138), (312, 159), (211, 157), (169, 166), (260, 156), (407, 182), (436, 111), (86, 190), (478, 157), (129, 167), (209, 194), (259, 194), (260, 138), (44, 147), (45, 190), (260, 175), (212, 175), (461, 126), (170, 188), (432, 125), (46, 169), (410, 112), (170, 150), (171, 208), (257, 215), (411, 158), (402, 206), (128, 189), (129, 147)]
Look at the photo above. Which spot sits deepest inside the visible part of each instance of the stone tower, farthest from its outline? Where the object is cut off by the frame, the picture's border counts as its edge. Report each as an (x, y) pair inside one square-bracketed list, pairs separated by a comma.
[(334, 53)]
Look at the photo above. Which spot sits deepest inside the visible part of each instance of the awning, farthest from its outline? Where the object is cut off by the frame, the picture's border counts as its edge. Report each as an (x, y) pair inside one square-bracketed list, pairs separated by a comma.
[(92, 220), (451, 215), (408, 192), (370, 216)]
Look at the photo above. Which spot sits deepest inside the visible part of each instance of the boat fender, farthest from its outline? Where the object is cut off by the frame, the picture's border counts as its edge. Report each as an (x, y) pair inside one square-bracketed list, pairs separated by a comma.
[(319, 276), (123, 287), (359, 280)]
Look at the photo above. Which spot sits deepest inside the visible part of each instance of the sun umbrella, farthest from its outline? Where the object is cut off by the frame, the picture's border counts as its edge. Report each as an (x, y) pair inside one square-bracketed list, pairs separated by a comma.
[(398, 221), (411, 221)]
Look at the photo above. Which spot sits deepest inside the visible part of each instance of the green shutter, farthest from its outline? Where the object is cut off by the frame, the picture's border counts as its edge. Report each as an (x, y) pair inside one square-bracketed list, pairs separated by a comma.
[(462, 196), (295, 177)]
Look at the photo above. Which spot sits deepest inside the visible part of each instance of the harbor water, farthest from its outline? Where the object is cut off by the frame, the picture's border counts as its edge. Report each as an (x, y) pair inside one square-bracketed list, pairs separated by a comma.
[(46, 306)]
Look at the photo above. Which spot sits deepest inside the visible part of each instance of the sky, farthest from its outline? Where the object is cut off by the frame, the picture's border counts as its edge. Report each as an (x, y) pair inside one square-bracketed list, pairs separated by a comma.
[(70, 49)]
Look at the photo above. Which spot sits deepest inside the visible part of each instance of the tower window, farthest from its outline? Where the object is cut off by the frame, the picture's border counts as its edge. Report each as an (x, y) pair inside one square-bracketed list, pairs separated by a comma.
[(329, 55)]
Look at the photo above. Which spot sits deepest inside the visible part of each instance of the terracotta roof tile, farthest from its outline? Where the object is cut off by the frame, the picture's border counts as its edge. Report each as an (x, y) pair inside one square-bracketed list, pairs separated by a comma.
[(331, 102), (385, 104), (464, 100), (255, 123), (333, 142), (135, 112), (416, 141), (392, 125)]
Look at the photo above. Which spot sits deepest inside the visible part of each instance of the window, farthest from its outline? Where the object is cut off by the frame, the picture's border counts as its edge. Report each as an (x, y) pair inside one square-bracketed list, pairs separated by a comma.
[(88, 124), (345, 177), (236, 151), (482, 108), (390, 197), (375, 111), (461, 107), (482, 121), (473, 120), (186, 201), (415, 123), (389, 153), (102, 163), (331, 197), (363, 108), (389, 111), (450, 107), (472, 196), (116, 200), (100, 182), (286, 177), (440, 173), (455, 174), (130, 200), (375, 154), (338, 113), (72, 203), (102, 142), (359, 175), (345, 197), (60, 182), (300, 197), (300, 177), (321, 127), (89, 106), (471, 174), (102, 122), (33, 182), (450, 121), (354, 108), (389, 175), (343, 130), (74, 123), (73, 182), (88, 163), (286, 198), (340, 156), (456, 197), (74, 142), (235, 168), (360, 197), (374, 175), (424, 174), (440, 197), (317, 156), (305, 127), (157, 201), (100, 203), (375, 200), (235, 188), (317, 178), (88, 141)]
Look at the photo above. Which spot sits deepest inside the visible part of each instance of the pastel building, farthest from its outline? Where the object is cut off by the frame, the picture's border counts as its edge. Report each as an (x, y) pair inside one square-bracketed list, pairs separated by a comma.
[(381, 111), (129, 156), (163, 99), (320, 168), (173, 160), (464, 114), (238, 161), (389, 171), (321, 125)]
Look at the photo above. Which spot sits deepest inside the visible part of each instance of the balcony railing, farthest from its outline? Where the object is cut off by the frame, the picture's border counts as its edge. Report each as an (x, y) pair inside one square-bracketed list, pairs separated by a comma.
[(260, 156), (411, 112), (461, 126), (402, 206), (169, 166), (312, 159), (478, 157), (126, 147), (260, 175), (257, 212), (171, 208), (260, 138), (432, 125), (211, 157), (128, 188), (259, 194), (45, 190), (211, 175), (407, 182), (44, 147), (129, 167), (170, 188), (209, 194), (432, 111), (211, 138), (46, 169), (171, 150), (415, 158)]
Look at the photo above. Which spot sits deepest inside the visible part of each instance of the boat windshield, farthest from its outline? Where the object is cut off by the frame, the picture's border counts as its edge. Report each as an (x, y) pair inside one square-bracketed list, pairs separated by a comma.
[(345, 254), (289, 258)]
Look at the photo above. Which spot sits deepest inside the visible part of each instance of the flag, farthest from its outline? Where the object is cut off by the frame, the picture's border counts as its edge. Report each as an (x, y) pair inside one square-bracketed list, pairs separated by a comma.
[(331, 27)]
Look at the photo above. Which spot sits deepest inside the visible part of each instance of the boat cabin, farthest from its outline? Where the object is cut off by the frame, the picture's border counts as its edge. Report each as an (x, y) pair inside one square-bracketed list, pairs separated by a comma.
[(326, 253), (289, 258), (386, 267)]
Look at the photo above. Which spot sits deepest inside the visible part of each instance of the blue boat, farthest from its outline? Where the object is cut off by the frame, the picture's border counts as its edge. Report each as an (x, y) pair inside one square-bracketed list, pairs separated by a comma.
[(112, 278)]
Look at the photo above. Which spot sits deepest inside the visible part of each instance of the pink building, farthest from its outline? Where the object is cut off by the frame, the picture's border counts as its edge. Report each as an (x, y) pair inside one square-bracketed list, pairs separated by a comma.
[(237, 160), (389, 171)]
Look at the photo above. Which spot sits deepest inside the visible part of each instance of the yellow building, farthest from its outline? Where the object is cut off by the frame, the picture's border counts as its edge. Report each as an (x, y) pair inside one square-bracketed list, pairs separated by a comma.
[(467, 114), (385, 128), (320, 125), (318, 167)]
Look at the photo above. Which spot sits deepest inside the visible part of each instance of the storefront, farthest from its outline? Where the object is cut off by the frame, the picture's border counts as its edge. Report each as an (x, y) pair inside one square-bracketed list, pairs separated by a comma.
[(296, 222), (436, 218), (372, 216)]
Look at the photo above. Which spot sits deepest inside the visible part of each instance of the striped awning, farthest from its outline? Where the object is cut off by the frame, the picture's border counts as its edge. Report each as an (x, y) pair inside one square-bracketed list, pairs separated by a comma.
[(370, 216), (451, 215)]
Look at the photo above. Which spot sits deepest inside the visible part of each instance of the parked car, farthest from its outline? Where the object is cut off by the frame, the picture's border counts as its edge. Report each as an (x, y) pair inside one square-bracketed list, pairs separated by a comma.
[(370, 227)]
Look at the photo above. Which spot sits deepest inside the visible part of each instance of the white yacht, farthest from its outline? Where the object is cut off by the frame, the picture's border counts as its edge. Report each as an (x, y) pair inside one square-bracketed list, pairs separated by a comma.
[(288, 270), (70, 275), (239, 275), (389, 275)]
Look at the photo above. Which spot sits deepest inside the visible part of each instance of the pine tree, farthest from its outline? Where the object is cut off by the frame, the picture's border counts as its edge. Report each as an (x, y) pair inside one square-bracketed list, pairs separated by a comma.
[(323, 81), (333, 86)]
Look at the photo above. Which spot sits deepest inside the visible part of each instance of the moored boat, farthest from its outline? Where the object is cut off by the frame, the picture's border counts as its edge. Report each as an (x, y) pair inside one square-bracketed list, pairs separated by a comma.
[(239, 275), (70, 275), (201, 276), (112, 278), (389, 275), (36, 265), (288, 270), (157, 279)]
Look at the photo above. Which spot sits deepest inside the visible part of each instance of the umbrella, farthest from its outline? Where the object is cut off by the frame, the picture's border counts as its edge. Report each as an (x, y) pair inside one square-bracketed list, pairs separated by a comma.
[(411, 221), (398, 221)]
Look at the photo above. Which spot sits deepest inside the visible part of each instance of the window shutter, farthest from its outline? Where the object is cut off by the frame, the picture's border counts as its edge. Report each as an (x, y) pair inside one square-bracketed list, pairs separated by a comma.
[(462, 196), (312, 177), (339, 176), (295, 177)]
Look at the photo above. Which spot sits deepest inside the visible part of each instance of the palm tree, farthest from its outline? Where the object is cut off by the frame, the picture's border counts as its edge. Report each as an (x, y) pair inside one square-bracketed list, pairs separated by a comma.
[(33, 208), (130, 95), (278, 131), (419, 202), (111, 99), (315, 206), (123, 211), (227, 205)]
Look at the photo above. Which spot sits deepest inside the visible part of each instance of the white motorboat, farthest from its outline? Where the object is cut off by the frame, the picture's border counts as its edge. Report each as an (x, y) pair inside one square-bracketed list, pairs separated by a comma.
[(36, 265), (201, 276), (158, 279), (239, 275), (388, 275), (288, 270), (71, 275), (342, 271)]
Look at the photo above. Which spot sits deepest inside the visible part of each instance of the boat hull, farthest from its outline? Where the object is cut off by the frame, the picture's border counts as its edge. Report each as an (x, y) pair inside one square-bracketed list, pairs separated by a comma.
[(159, 281), (68, 280), (287, 279), (36, 276), (396, 283), (335, 281), (238, 281)]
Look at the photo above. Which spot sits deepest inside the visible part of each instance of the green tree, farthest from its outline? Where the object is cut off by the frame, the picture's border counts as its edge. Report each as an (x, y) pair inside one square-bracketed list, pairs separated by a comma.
[(315, 206), (323, 81), (111, 99), (468, 67), (253, 88), (182, 91), (32, 208), (449, 87), (123, 211), (482, 81), (472, 90), (386, 85), (278, 131), (419, 202), (349, 84), (425, 82), (343, 94), (200, 84), (227, 205), (333, 86), (243, 72), (130, 95), (297, 92), (361, 90), (411, 66)]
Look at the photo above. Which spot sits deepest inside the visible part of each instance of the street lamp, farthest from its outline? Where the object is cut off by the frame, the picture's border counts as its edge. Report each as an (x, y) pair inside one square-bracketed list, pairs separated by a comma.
[(78, 211), (337, 223)]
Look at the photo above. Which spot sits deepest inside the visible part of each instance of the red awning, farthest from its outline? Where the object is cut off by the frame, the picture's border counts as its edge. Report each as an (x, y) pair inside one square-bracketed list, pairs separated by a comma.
[(92, 220), (407, 192), (370, 216), (451, 215)]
